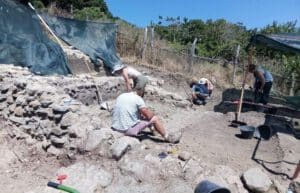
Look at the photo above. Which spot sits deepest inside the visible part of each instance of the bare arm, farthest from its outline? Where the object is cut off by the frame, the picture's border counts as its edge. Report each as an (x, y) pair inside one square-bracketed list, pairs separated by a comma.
[(126, 78), (261, 78)]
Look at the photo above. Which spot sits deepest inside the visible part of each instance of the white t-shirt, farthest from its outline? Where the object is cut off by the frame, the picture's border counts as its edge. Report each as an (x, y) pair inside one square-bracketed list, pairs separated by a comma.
[(126, 111), (133, 73)]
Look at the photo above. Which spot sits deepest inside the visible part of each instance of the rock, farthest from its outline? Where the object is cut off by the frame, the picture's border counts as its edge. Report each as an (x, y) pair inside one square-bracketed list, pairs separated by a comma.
[(191, 170), (29, 111), (2, 98), (119, 148), (279, 188), (57, 117), (29, 99), (68, 119), (17, 120), (50, 114), (19, 111), (54, 151), (43, 113), (21, 100), (181, 104), (30, 128), (12, 108), (57, 142), (29, 140), (184, 156), (256, 180), (2, 106), (122, 144), (58, 132), (46, 144), (10, 100), (45, 103), (31, 90), (20, 83), (295, 186), (138, 170), (46, 124), (96, 137), (59, 109), (80, 128), (231, 177), (4, 88), (35, 104)]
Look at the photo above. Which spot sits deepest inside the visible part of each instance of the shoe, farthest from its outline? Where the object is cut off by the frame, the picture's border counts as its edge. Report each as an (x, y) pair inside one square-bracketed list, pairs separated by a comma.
[(198, 102), (174, 137)]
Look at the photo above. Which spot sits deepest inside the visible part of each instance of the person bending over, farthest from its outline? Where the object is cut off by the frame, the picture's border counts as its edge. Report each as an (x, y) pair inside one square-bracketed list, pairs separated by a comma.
[(129, 73)]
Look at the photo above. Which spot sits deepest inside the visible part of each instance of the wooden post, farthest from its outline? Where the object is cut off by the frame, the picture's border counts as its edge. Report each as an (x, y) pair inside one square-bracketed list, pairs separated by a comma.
[(144, 43), (72, 11), (237, 54), (293, 84), (152, 37), (192, 55)]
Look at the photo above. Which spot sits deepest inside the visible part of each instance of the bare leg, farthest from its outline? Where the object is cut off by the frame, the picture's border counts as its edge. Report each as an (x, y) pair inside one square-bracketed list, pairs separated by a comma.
[(158, 126)]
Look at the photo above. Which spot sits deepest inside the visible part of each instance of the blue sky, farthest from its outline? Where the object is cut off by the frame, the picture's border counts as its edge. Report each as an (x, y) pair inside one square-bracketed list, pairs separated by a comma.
[(252, 13)]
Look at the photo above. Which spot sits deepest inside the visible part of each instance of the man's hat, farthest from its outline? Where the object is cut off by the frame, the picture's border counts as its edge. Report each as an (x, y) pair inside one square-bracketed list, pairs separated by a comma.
[(202, 81)]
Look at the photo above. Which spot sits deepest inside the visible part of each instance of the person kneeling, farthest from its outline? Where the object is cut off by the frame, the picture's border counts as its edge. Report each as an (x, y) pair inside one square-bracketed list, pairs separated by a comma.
[(200, 92)]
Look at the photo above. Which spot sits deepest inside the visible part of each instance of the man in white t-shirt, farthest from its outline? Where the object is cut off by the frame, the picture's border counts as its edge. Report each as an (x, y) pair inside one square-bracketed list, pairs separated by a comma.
[(131, 116), (128, 73)]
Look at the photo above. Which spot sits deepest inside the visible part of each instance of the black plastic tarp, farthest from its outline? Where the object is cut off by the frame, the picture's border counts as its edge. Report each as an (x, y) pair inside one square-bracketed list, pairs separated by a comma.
[(23, 43), (283, 42), (95, 39)]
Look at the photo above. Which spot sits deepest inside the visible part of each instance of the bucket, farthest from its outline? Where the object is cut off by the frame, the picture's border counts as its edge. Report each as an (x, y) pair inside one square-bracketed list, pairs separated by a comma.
[(265, 131), (209, 187), (247, 131)]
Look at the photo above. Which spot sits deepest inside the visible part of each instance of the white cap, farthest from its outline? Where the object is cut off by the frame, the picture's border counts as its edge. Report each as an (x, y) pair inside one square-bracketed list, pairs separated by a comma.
[(118, 67), (202, 81)]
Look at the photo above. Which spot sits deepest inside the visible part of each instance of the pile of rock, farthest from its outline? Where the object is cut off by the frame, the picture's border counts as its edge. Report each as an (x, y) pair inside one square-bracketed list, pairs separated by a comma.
[(63, 112)]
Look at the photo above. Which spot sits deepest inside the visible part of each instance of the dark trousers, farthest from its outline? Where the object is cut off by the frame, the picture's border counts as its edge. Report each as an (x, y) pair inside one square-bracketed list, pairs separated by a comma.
[(264, 96)]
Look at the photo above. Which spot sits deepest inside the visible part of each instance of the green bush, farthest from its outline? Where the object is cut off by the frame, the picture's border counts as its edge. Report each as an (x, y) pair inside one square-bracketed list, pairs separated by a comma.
[(90, 13)]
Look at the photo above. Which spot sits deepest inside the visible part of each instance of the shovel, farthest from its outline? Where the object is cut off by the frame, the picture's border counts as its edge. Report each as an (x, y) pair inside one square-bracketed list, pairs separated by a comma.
[(236, 122)]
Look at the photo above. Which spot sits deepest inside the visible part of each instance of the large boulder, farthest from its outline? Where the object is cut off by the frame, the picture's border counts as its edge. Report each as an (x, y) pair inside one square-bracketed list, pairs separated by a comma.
[(95, 138), (138, 169), (256, 180), (121, 145), (68, 119)]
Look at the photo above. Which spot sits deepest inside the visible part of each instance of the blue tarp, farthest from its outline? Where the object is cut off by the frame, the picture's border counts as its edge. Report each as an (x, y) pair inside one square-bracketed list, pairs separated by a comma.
[(95, 39), (283, 42), (23, 42)]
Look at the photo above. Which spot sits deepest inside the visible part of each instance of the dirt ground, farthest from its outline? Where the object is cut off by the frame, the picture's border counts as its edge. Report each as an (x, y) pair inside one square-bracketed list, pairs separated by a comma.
[(206, 134)]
